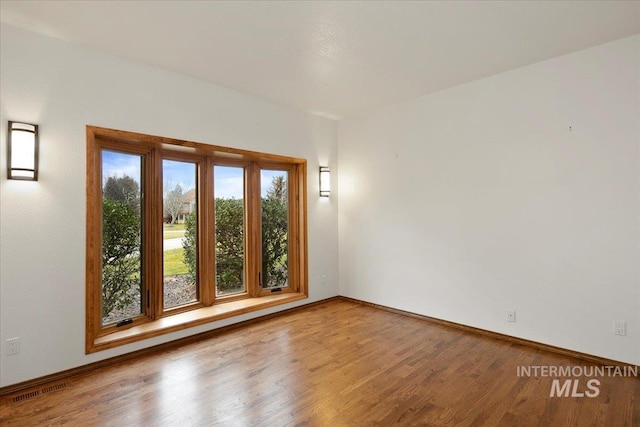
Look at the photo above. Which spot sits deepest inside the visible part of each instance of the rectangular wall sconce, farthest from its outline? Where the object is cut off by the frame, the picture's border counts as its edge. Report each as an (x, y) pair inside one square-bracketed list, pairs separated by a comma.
[(325, 181), (22, 146)]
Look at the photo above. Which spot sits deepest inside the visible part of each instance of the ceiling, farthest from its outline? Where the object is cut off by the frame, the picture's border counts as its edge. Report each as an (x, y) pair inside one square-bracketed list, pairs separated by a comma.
[(336, 59)]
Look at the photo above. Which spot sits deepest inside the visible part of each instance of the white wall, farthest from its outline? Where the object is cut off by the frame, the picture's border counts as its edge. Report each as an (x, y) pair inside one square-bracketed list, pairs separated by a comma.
[(62, 88), (478, 199)]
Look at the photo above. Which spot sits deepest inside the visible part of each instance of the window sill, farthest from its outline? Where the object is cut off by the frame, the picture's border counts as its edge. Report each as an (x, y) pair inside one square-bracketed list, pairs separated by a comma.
[(190, 319)]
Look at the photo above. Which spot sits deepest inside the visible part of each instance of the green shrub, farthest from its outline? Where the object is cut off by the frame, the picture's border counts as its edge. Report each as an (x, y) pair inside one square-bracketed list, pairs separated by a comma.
[(120, 255)]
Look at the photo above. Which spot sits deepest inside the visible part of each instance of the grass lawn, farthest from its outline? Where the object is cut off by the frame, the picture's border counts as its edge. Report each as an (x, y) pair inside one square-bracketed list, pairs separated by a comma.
[(174, 262), (174, 231)]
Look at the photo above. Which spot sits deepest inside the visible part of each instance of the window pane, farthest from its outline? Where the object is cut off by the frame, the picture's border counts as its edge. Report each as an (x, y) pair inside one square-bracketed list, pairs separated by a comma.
[(121, 230), (180, 230), (275, 229), (229, 194)]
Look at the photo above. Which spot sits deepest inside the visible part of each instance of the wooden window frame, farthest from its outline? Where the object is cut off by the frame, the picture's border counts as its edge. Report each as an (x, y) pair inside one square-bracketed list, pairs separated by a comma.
[(155, 320)]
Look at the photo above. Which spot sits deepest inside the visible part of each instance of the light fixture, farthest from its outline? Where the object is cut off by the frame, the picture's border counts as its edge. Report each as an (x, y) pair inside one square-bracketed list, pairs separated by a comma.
[(22, 146), (325, 181)]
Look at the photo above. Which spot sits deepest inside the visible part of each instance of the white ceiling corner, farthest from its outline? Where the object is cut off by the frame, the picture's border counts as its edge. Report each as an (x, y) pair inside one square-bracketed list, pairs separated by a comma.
[(337, 59)]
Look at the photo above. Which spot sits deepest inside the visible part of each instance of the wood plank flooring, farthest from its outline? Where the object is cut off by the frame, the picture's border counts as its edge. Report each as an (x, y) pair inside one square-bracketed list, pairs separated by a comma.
[(336, 363)]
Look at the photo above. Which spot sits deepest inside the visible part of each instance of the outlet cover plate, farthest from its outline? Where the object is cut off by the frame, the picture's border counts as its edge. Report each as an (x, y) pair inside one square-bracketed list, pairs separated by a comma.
[(619, 328), (13, 346)]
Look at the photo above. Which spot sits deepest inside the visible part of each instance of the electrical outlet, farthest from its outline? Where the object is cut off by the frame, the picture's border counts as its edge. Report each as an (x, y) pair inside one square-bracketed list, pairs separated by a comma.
[(619, 327), (13, 346), (511, 316)]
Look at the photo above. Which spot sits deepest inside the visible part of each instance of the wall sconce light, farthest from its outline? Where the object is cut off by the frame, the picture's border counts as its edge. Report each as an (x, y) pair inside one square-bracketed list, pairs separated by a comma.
[(22, 146), (325, 181)]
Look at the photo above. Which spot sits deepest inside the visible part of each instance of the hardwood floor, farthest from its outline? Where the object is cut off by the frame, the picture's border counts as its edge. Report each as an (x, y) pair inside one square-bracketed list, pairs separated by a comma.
[(333, 364)]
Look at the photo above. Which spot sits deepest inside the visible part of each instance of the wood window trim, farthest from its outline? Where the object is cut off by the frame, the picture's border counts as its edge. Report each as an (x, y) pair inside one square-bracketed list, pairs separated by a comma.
[(155, 320)]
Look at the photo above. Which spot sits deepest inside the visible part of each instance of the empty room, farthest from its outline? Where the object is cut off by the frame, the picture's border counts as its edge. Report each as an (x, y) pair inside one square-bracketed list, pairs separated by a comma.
[(321, 213)]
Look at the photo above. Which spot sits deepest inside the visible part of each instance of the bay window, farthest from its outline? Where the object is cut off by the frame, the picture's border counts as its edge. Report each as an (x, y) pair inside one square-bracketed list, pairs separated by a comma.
[(181, 233)]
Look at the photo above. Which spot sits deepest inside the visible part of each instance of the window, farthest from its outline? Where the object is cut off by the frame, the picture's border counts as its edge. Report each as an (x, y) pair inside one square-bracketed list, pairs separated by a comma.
[(229, 225), (274, 226), (181, 233), (121, 237)]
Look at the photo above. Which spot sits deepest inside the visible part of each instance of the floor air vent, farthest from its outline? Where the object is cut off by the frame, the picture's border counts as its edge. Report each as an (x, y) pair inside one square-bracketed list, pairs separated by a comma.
[(25, 396), (53, 387), (30, 394)]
